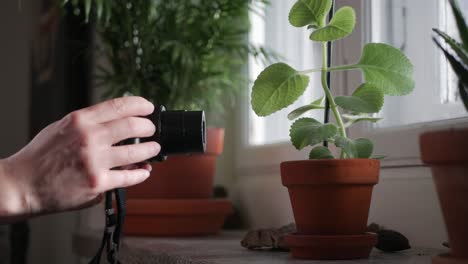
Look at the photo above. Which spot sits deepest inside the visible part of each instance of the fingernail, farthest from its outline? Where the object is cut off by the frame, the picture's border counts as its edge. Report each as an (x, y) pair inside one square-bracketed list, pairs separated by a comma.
[(150, 168), (157, 147), (146, 174)]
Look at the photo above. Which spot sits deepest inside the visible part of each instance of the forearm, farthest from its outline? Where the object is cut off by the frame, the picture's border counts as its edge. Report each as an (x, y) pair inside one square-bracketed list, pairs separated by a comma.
[(13, 204)]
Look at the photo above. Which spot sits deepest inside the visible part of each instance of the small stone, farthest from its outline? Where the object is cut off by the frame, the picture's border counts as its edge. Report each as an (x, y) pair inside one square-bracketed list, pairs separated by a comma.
[(268, 238), (391, 241)]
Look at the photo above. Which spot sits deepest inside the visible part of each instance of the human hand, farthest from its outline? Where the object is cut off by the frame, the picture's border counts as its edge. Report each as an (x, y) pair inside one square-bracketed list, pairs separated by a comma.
[(68, 165)]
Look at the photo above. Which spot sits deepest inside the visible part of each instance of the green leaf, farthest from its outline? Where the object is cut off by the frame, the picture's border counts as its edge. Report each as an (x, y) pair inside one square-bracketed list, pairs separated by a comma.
[(387, 68), (346, 145), (87, 5), (460, 20), (457, 47), (379, 157), (366, 99), (277, 87), (99, 9), (364, 148), (317, 104), (358, 148), (308, 131), (341, 25), (460, 70), (320, 152), (305, 12), (463, 89)]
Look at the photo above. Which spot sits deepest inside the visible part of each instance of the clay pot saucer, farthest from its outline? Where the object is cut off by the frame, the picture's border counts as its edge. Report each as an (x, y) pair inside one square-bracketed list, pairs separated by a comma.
[(329, 247), (175, 217), (447, 259)]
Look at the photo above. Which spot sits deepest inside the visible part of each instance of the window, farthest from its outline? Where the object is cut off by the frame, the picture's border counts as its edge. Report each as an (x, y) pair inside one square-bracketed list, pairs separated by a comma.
[(270, 28), (407, 24)]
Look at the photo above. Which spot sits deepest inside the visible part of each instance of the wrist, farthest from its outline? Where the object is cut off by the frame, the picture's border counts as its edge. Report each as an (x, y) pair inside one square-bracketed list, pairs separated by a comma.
[(13, 198)]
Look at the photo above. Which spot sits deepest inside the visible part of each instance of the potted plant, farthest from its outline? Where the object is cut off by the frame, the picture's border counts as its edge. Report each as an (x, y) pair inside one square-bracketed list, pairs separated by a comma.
[(331, 196), (184, 55), (446, 151)]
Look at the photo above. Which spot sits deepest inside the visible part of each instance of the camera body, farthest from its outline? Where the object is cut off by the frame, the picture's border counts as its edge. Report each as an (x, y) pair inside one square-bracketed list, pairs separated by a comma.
[(178, 132)]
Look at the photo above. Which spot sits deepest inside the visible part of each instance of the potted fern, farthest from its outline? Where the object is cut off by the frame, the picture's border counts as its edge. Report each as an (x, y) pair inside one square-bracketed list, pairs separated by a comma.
[(447, 151), (184, 55), (331, 196)]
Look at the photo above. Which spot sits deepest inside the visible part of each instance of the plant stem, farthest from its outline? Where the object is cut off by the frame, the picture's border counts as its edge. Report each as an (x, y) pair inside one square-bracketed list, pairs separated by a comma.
[(331, 100), (336, 68), (311, 71), (343, 67)]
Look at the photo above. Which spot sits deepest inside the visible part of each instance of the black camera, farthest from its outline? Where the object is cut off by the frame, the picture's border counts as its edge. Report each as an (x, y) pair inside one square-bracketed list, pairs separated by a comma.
[(177, 132)]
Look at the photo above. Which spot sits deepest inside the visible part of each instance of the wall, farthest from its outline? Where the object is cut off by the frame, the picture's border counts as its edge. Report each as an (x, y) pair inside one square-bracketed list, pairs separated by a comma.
[(50, 235)]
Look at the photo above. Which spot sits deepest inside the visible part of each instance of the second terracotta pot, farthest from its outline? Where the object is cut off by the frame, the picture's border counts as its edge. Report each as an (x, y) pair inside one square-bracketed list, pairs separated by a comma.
[(447, 154), (183, 176), (330, 197)]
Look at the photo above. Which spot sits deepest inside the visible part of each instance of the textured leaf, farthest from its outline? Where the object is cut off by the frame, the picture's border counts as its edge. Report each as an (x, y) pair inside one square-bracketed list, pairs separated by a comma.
[(346, 145), (364, 148), (320, 152), (366, 99), (277, 87), (387, 68), (305, 12), (457, 47), (308, 131), (460, 20), (358, 148), (318, 104), (341, 25)]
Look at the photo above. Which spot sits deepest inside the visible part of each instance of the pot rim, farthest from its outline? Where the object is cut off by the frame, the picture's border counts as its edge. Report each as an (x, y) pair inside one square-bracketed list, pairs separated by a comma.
[(444, 147), (333, 162), (330, 172)]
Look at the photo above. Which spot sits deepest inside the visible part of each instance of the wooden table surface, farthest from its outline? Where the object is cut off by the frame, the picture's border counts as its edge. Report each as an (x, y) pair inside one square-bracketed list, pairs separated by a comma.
[(224, 249)]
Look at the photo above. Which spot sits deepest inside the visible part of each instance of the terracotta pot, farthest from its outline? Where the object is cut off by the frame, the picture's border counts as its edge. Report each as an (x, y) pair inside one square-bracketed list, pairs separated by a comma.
[(183, 176), (447, 154), (330, 197), (175, 217)]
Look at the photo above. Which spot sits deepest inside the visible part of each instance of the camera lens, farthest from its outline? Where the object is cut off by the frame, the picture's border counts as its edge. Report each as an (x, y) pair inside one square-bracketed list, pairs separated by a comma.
[(178, 132)]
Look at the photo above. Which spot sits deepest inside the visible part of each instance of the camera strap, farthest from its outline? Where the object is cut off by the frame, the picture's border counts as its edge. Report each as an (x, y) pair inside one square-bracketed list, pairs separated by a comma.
[(113, 230)]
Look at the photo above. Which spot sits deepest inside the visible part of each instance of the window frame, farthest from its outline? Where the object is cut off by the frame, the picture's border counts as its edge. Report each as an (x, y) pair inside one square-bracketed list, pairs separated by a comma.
[(265, 159)]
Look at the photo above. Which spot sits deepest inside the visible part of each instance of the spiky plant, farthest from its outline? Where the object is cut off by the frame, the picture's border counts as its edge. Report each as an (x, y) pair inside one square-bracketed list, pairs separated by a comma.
[(459, 56)]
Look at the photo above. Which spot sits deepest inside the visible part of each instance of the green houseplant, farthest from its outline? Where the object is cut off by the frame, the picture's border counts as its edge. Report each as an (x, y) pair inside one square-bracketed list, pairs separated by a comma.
[(446, 151), (331, 197), (182, 54)]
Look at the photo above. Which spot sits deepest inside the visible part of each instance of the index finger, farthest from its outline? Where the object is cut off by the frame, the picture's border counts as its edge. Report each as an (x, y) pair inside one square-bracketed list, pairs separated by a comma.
[(118, 108)]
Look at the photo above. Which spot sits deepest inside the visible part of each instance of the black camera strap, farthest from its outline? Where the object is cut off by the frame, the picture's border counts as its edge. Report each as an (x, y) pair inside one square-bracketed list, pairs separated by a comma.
[(113, 230)]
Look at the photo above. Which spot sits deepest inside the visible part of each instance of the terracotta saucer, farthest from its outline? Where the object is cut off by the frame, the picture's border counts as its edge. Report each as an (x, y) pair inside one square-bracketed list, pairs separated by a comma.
[(331, 247), (175, 217), (447, 259)]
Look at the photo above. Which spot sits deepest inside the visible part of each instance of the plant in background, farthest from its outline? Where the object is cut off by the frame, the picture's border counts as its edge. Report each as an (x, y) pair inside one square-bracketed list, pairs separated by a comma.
[(460, 64), (386, 71), (183, 54)]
